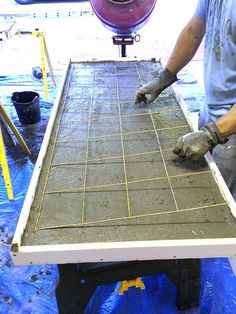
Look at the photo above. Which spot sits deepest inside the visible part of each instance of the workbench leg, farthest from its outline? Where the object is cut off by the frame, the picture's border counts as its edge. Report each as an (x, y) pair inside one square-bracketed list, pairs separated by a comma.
[(188, 286), (72, 293)]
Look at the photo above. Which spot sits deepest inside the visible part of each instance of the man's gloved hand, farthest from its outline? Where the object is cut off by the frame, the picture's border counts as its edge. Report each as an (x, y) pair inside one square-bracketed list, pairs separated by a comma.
[(194, 145), (150, 91)]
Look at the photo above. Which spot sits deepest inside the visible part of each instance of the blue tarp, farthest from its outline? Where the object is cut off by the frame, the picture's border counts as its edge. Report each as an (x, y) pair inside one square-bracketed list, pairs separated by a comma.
[(31, 289)]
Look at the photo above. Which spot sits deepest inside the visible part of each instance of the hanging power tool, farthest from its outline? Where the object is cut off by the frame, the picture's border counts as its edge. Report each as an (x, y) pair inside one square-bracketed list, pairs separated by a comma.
[(124, 18)]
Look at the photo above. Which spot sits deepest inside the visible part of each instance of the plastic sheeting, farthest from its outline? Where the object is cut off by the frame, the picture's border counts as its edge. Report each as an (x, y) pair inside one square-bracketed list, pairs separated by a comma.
[(23, 289), (31, 289), (218, 286)]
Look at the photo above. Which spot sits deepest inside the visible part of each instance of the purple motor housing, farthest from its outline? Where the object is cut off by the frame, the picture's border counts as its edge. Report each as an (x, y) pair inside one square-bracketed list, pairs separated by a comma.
[(123, 17)]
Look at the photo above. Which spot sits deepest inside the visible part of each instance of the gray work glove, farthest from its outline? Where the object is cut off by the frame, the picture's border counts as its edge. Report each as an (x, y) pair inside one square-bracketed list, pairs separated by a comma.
[(150, 91), (194, 145)]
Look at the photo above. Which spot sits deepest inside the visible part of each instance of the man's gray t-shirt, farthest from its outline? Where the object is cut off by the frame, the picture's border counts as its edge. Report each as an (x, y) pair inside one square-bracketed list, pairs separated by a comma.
[(220, 52)]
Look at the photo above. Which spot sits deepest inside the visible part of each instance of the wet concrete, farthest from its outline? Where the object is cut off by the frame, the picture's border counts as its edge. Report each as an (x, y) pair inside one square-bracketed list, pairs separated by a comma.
[(180, 199)]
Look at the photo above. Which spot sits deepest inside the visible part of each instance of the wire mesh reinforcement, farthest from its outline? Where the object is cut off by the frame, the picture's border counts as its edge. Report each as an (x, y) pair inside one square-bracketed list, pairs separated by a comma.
[(110, 160)]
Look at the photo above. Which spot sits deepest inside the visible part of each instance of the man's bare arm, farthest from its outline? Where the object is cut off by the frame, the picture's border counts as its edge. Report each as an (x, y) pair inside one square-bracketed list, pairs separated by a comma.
[(227, 123), (185, 48), (187, 44)]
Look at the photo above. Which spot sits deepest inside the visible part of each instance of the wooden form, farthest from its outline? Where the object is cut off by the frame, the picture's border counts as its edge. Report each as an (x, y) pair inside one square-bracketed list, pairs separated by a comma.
[(115, 251)]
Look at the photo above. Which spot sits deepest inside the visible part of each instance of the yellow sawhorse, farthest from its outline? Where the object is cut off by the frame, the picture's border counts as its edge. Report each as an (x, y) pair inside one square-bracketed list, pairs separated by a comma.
[(3, 158), (5, 169), (44, 57)]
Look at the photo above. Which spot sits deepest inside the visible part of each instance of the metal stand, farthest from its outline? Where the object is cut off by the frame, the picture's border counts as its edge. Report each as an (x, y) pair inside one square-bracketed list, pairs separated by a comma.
[(78, 282)]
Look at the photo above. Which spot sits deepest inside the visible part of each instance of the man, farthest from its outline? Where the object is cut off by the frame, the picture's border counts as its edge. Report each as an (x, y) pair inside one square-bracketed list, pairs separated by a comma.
[(217, 20)]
